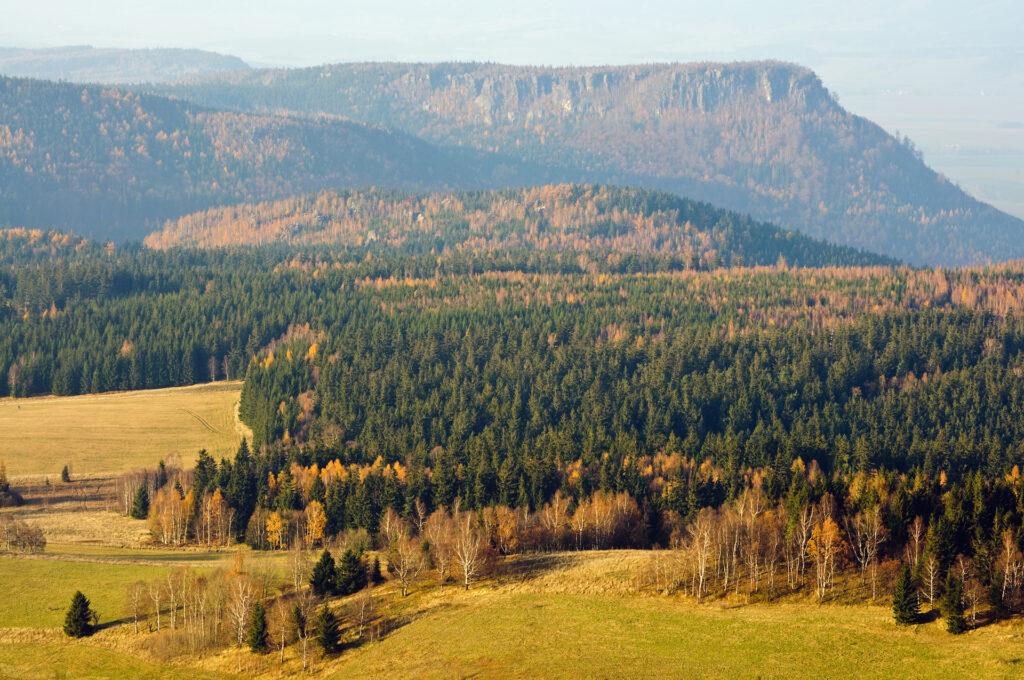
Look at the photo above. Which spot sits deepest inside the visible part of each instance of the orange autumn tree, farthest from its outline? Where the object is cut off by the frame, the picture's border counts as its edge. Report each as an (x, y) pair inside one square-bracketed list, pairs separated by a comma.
[(825, 549)]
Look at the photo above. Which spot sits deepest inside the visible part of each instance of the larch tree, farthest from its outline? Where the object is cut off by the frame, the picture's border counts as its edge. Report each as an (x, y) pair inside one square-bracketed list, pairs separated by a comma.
[(275, 530)]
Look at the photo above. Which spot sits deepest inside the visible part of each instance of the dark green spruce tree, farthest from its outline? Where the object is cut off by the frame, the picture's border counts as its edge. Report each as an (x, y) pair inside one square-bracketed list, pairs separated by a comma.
[(351, 575), (953, 605), (904, 599), (257, 638), (140, 505), (78, 620), (322, 579), (326, 629)]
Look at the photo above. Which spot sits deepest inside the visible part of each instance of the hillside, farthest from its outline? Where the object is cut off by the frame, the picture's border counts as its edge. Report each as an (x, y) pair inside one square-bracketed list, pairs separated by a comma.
[(110, 164), (762, 138), (86, 64), (561, 217)]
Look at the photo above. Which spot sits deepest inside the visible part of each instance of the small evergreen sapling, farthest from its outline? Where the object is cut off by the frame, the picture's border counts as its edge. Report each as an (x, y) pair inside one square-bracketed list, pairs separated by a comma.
[(140, 505), (78, 620), (375, 575), (953, 605), (326, 627), (904, 599), (257, 637)]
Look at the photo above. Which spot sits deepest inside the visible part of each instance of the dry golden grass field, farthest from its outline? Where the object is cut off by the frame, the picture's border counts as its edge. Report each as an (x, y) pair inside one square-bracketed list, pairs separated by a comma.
[(105, 434), (560, 616)]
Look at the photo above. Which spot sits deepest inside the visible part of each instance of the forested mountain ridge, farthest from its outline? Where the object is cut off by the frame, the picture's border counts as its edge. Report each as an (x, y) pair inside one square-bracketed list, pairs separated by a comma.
[(762, 138), (87, 64), (577, 217), (112, 164)]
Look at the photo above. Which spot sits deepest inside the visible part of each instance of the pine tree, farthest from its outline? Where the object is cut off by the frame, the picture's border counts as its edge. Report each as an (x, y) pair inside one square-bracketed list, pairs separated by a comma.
[(78, 620), (258, 629), (65, 475), (904, 599), (351, 575), (322, 579), (375, 575), (997, 608), (140, 506), (326, 629), (953, 605)]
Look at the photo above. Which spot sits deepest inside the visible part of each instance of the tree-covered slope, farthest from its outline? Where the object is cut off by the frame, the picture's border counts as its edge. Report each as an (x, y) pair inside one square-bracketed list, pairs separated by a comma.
[(762, 138), (552, 217), (111, 164)]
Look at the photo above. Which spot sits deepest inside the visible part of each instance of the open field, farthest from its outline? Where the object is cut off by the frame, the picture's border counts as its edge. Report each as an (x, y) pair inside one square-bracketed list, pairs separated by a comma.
[(106, 434), (35, 590), (563, 617), (595, 636), (50, 657)]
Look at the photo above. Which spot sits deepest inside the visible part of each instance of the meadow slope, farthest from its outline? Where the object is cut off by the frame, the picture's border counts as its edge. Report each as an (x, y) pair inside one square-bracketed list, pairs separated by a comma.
[(105, 434)]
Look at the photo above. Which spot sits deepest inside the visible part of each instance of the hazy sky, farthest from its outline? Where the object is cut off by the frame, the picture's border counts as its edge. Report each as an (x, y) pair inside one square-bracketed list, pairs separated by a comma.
[(948, 74)]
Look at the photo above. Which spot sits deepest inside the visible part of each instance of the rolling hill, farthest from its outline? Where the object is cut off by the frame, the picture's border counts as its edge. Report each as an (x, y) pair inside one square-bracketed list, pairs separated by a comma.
[(110, 164), (554, 217), (763, 138)]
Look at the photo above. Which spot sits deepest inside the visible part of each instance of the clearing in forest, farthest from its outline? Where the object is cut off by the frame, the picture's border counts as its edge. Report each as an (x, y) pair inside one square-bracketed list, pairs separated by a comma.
[(105, 434)]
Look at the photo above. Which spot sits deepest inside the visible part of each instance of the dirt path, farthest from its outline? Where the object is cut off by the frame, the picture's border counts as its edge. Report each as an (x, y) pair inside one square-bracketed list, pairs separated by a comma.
[(241, 428)]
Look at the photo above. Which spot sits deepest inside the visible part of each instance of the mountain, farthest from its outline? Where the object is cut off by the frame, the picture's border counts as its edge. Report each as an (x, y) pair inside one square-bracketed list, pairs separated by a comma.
[(85, 64), (562, 217), (111, 164), (763, 138)]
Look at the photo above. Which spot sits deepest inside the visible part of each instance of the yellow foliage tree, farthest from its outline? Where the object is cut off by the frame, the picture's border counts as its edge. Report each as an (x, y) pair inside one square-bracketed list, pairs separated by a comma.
[(316, 521), (275, 529)]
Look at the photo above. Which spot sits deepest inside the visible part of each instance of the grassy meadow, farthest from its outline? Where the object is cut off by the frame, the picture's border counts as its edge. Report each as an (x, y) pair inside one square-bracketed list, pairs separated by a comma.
[(35, 590), (561, 620), (495, 635), (104, 434)]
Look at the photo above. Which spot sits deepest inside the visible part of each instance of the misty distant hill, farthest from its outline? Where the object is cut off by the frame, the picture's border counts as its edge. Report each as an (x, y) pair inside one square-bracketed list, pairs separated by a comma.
[(85, 64), (763, 138), (112, 164)]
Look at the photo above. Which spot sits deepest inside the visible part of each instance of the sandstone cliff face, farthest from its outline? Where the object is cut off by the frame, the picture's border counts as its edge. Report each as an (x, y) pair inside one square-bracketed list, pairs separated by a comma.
[(764, 138)]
